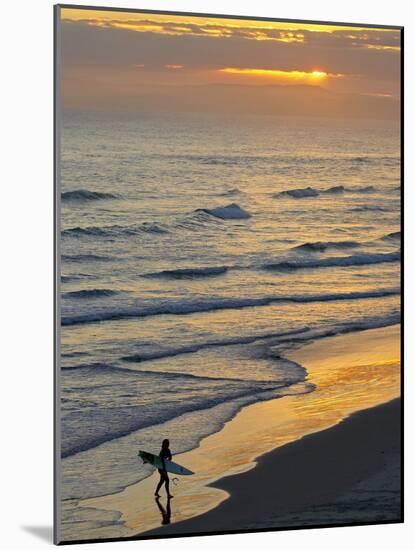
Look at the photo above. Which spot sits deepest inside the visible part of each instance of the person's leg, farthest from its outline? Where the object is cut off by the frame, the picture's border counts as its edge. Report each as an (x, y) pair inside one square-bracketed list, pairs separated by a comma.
[(167, 486), (160, 484)]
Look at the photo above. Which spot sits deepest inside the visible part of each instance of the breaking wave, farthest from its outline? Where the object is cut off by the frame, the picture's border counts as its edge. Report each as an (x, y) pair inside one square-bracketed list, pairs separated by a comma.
[(341, 261), (230, 212), (213, 304)]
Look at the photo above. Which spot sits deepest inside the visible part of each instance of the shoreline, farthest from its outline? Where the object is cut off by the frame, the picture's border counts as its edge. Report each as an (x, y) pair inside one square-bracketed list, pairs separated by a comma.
[(291, 491), (351, 372)]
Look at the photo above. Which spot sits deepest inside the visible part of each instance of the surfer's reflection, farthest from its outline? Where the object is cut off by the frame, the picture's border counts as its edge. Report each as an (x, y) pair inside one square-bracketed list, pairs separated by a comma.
[(165, 512)]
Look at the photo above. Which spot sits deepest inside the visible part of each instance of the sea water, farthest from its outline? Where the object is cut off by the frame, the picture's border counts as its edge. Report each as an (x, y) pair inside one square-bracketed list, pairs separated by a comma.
[(194, 249)]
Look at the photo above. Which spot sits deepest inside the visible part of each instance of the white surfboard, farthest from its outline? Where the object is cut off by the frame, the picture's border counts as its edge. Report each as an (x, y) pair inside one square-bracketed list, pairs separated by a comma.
[(170, 466)]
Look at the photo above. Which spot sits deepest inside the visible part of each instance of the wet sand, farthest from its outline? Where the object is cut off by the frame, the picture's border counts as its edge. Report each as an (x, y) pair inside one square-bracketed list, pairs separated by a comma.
[(347, 474)]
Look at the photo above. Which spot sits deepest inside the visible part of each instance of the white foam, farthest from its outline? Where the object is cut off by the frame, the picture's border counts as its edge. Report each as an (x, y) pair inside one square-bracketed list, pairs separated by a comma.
[(230, 212)]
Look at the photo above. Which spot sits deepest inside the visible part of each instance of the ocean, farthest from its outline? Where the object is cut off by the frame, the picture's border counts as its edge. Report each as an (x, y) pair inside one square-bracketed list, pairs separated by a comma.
[(195, 249)]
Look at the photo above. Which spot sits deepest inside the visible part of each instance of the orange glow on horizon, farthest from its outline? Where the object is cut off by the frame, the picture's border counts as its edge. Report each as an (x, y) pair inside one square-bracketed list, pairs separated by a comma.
[(309, 77), (381, 47)]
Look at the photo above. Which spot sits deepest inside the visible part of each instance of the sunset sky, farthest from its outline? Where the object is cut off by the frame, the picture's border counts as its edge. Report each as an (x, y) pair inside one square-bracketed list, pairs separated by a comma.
[(144, 62)]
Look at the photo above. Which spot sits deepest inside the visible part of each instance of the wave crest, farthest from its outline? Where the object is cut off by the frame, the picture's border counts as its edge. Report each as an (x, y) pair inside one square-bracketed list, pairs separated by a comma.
[(341, 261), (306, 192), (83, 195), (321, 246), (90, 293), (230, 212), (370, 208), (214, 304), (84, 258), (114, 230), (299, 193), (188, 273), (395, 236)]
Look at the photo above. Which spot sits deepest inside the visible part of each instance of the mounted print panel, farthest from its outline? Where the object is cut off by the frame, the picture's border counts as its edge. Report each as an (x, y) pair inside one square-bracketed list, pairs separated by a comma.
[(228, 221)]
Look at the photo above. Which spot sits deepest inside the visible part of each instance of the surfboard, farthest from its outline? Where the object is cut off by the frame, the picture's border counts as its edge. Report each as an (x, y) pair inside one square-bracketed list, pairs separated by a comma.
[(170, 466)]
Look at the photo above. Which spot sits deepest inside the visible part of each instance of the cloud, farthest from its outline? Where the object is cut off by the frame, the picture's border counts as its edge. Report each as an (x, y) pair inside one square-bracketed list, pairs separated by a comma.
[(106, 63), (85, 45), (261, 31)]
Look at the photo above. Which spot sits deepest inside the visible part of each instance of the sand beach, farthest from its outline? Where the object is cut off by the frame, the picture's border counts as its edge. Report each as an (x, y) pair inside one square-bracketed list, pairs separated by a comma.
[(329, 456)]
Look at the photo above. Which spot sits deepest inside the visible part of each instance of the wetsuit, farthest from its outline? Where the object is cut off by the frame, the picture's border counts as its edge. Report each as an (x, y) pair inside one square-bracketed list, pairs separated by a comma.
[(165, 454)]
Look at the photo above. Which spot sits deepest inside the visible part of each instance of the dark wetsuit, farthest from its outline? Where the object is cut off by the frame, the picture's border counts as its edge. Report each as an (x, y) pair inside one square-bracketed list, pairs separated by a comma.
[(165, 454)]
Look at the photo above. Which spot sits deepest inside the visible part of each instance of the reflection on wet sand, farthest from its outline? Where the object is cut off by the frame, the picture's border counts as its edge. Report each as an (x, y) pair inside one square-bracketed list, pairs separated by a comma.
[(165, 512)]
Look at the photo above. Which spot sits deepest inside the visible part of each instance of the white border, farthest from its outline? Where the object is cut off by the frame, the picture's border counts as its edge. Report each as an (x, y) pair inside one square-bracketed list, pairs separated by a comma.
[(27, 274)]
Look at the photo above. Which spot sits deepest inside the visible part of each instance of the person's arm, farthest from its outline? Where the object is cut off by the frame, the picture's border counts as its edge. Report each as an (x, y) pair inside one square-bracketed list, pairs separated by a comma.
[(169, 455)]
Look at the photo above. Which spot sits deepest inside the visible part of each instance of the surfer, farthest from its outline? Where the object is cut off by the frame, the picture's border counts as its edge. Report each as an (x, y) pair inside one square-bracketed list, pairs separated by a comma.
[(165, 454)]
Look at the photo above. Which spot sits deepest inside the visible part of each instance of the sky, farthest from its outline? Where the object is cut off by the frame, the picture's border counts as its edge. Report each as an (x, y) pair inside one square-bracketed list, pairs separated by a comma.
[(128, 61)]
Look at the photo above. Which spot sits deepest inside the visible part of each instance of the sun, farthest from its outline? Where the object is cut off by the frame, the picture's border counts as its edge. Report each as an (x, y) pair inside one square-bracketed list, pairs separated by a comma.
[(319, 74)]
